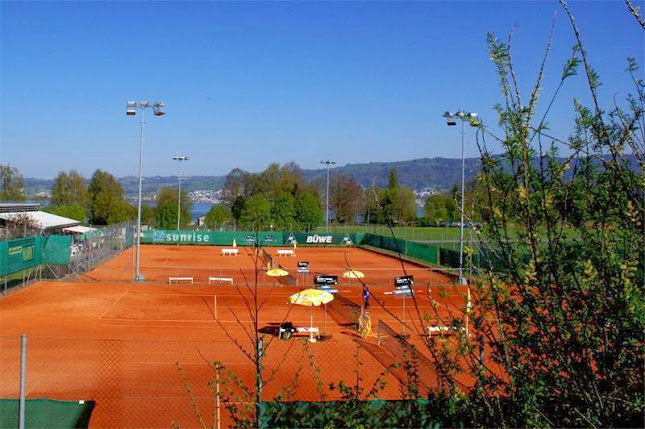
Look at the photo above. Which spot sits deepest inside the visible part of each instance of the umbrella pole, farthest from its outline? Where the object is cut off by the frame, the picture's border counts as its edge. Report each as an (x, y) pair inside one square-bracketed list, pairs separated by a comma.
[(325, 320)]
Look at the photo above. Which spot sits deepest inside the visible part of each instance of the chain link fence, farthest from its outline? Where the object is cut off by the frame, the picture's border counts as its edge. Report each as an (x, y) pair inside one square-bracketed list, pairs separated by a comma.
[(146, 384), (30, 259)]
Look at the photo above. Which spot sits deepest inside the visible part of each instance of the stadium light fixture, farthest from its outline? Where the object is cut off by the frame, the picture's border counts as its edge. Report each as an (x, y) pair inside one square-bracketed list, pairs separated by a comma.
[(451, 120), (327, 162), (131, 110), (179, 159)]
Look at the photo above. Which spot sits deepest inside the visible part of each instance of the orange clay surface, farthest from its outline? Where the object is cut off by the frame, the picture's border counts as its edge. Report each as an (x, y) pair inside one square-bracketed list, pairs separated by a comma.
[(127, 346)]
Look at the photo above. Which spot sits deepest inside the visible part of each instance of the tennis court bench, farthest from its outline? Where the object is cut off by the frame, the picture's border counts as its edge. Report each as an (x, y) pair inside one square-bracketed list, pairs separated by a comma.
[(309, 330), (286, 252), (172, 280), (232, 252), (443, 330), (212, 280)]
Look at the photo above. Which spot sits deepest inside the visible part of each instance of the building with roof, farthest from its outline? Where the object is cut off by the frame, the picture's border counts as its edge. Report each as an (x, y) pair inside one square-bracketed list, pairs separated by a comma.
[(14, 214)]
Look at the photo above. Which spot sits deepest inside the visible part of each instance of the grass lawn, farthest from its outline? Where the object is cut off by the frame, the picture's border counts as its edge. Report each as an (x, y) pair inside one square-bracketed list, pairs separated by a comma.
[(428, 233), (443, 236)]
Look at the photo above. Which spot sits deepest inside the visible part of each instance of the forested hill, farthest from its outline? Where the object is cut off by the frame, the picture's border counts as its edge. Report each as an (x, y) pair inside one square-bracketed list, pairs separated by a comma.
[(416, 174)]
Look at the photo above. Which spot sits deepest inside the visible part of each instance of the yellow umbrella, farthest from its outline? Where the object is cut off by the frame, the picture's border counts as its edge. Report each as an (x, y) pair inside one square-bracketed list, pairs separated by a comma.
[(277, 272), (353, 274), (311, 298)]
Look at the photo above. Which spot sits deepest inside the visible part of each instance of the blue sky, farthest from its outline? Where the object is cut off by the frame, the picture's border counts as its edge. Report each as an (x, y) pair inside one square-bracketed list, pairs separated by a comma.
[(250, 83)]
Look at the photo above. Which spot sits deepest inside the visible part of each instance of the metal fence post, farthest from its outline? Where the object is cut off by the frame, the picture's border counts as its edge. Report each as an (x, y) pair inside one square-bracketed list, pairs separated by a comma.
[(23, 365)]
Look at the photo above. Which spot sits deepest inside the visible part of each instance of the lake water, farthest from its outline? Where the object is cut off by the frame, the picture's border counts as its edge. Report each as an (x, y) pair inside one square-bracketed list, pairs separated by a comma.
[(199, 209)]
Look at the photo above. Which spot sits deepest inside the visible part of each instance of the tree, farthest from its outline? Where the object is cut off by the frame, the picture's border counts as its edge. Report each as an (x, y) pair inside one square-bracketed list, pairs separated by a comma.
[(345, 198), (405, 206), (256, 213), (72, 211), (12, 184), (393, 181), (18, 226), (561, 297), (69, 189), (234, 185), (166, 216), (147, 214), (217, 216), (283, 211), (237, 208), (167, 205), (309, 214), (440, 208), (107, 200)]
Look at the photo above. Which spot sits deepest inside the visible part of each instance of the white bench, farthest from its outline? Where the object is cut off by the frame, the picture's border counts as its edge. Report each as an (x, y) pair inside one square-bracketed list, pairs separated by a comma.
[(442, 329), (310, 330), (286, 252), (212, 280), (172, 280), (232, 252)]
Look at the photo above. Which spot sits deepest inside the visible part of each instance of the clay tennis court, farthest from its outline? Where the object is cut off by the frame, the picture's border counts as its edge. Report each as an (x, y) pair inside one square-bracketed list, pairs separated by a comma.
[(122, 344)]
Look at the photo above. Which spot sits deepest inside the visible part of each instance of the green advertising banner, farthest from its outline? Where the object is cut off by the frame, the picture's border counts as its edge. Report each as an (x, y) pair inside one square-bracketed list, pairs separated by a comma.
[(319, 239), (21, 254), (212, 238), (248, 238)]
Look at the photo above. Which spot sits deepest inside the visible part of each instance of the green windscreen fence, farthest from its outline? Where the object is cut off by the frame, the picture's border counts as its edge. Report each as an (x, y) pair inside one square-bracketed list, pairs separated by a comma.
[(420, 251), (56, 249), (46, 413), (18, 255)]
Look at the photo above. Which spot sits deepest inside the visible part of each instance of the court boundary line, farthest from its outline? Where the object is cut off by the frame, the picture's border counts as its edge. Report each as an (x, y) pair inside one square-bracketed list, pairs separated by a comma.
[(202, 296)]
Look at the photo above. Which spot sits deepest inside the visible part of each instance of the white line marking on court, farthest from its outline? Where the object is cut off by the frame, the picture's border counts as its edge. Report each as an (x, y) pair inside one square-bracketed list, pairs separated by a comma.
[(158, 320), (113, 304), (225, 363), (171, 294)]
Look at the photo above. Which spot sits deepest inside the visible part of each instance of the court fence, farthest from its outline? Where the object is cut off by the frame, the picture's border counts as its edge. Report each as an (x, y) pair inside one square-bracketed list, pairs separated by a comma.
[(138, 383), (30, 259), (27, 260)]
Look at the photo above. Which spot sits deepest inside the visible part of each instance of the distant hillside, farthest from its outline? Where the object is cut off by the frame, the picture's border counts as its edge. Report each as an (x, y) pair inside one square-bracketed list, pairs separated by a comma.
[(151, 184), (131, 184), (416, 174)]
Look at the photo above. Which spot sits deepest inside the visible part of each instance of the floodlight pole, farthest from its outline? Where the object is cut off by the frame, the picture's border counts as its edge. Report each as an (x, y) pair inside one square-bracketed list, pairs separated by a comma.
[(464, 116), (137, 275), (130, 110), (328, 162), (180, 159)]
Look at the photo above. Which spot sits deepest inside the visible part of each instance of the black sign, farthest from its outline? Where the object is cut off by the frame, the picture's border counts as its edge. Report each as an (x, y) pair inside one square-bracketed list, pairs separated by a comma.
[(268, 239), (323, 279), (303, 264), (403, 281), (250, 238)]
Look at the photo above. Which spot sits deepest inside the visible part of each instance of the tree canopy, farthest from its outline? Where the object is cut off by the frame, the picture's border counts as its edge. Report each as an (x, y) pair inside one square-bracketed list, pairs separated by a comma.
[(107, 200), (12, 184)]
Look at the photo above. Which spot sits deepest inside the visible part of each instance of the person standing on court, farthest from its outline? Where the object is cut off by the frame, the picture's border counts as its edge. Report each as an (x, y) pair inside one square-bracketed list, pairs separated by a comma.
[(366, 296)]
